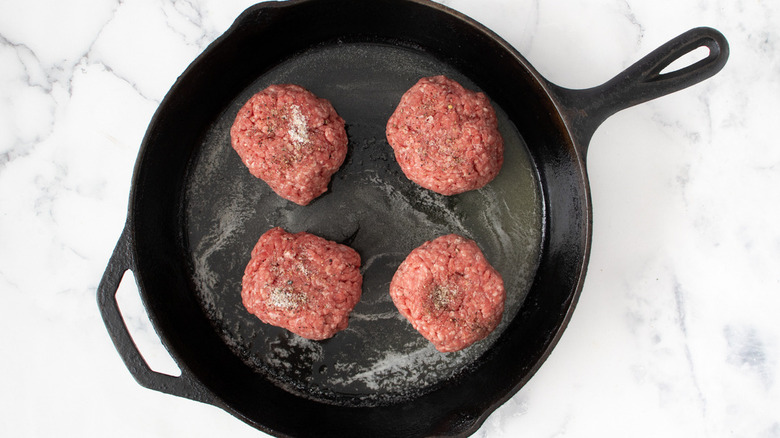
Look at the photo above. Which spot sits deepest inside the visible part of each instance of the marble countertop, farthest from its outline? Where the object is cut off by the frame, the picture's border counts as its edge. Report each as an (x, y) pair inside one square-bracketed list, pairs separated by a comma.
[(676, 332)]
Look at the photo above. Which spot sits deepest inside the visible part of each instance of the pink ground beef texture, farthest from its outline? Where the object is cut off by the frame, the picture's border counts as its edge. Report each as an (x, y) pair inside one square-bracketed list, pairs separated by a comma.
[(449, 292), (446, 137), (291, 139), (302, 282)]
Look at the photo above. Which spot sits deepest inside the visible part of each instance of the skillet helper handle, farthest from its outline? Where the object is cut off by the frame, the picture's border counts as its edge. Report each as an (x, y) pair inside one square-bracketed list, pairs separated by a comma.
[(121, 261), (586, 110)]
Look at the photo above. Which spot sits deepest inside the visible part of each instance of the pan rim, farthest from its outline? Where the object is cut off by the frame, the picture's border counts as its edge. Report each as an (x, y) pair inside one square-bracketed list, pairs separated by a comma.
[(147, 143)]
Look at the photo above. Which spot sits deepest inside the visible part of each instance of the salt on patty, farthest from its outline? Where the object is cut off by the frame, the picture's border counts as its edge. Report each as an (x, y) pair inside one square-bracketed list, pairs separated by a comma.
[(446, 137), (302, 282), (291, 139), (449, 292)]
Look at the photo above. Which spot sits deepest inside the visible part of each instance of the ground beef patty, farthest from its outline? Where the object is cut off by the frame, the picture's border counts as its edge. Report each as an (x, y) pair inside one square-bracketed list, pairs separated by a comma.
[(449, 292), (302, 282), (445, 137), (291, 139)]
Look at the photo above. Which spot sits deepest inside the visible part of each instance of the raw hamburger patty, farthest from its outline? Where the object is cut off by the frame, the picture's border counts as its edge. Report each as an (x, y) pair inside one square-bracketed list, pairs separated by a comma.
[(445, 137), (302, 282), (449, 292), (291, 139)]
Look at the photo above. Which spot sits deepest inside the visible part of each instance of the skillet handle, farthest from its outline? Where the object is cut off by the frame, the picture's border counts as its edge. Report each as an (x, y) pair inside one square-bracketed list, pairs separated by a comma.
[(121, 261), (585, 110)]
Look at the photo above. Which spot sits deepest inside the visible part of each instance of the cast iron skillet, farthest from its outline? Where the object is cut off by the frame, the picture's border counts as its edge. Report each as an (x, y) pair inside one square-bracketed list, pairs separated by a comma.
[(195, 213)]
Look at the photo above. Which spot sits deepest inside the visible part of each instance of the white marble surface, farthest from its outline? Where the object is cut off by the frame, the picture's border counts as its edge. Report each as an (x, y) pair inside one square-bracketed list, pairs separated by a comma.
[(676, 333)]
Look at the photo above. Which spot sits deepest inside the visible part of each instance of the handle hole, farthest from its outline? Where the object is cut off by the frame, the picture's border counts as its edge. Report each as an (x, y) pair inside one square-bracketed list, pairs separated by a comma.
[(141, 330), (687, 60)]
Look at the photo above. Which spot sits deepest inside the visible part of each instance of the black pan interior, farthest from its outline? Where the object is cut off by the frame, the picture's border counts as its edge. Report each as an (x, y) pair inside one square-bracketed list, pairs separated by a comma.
[(372, 207), (196, 213)]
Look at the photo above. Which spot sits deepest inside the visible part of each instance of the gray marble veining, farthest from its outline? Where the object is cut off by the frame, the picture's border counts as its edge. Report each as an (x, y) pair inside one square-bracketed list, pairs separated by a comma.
[(675, 335)]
